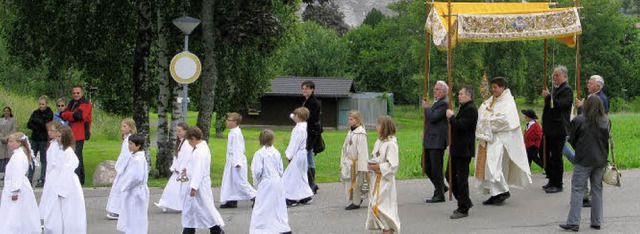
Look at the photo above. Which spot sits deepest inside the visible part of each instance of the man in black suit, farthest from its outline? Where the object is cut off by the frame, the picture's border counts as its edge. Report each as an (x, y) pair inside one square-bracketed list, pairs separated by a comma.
[(555, 126), (462, 149), (434, 140)]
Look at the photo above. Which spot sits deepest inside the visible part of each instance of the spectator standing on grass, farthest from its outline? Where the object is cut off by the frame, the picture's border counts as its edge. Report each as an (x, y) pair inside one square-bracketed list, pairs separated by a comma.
[(61, 104), (39, 137), (8, 125), (78, 114)]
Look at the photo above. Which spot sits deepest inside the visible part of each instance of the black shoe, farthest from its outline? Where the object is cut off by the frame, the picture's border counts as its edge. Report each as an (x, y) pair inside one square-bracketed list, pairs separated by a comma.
[(546, 186), (305, 201), (597, 227), (502, 197), (352, 207), (570, 227), (436, 199), (458, 215), (315, 189), (216, 230), (553, 189), (291, 203), (586, 203), (229, 205), (495, 200)]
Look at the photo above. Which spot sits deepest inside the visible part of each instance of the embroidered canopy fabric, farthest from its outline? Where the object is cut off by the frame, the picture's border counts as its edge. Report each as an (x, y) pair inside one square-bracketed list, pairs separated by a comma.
[(493, 22)]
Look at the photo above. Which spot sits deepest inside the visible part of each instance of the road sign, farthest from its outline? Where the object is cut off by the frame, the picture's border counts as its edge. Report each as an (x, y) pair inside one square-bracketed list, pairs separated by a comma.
[(185, 67)]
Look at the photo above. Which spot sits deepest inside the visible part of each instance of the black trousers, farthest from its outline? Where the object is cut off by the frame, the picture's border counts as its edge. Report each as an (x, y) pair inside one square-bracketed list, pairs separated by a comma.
[(433, 168), (80, 170), (532, 155), (555, 167), (460, 182), (40, 147)]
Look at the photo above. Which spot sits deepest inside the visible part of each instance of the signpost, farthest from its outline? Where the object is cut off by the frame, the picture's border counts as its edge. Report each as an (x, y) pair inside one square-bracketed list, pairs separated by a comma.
[(185, 67)]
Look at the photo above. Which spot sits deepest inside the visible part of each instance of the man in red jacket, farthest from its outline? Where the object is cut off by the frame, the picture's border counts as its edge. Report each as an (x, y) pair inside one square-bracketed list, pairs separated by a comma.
[(78, 113)]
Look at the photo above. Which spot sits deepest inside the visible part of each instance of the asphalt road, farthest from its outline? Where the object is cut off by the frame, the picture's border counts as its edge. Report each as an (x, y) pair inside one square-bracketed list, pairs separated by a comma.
[(527, 211)]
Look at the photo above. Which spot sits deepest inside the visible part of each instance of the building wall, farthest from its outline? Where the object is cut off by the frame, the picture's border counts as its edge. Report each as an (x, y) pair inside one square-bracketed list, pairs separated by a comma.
[(276, 110)]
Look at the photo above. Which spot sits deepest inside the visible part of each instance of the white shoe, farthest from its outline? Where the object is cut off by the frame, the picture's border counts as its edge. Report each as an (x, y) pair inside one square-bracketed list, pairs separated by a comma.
[(112, 216)]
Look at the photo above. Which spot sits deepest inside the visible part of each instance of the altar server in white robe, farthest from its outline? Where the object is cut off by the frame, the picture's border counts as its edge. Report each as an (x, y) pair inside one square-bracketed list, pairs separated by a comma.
[(177, 186), (53, 154), (114, 204), (65, 211), (235, 185), (296, 183), (501, 158), (18, 207), (199, 210), (383, 166), (270, 210), (135, 192), (353, 161)]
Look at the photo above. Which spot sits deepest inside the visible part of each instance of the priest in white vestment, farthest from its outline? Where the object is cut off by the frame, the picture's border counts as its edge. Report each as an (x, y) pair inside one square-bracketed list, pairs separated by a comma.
[(235, 185), (270, 210), (296, 183), (501, 158), (18, 207), (199, 210)]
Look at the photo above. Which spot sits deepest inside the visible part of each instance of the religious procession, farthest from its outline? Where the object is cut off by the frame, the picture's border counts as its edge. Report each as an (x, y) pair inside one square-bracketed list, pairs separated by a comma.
[(465, 150)]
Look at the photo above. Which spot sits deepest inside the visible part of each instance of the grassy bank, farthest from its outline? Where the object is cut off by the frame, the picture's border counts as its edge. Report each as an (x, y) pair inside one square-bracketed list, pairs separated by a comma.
[(105, 142)]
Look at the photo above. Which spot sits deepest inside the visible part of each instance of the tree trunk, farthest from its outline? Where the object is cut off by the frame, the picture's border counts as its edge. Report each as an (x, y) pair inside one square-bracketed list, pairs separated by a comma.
[(164, 156), (210, 73), (145, 11)]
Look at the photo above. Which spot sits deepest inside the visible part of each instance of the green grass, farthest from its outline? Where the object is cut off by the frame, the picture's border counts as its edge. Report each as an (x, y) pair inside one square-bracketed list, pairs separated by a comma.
[(105, 142)]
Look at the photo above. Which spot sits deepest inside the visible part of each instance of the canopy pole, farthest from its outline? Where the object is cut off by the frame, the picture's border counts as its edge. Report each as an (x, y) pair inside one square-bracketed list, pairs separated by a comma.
[(449, 76), (544, 86), (577, 4), (425, 91)]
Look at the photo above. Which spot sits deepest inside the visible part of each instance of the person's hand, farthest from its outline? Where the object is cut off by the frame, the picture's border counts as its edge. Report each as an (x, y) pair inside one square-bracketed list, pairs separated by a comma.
[(425, 102), (579, 102), (14, 197), (545, 92), (373, 167), (449, 113), (193, 192)]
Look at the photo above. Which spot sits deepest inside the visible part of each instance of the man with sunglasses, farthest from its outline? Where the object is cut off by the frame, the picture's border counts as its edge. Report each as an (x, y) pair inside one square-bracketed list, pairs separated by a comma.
[(78, 114)]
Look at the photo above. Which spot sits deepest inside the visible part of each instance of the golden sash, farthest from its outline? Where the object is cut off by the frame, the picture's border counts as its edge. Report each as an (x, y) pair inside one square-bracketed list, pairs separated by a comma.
[(376, 190)]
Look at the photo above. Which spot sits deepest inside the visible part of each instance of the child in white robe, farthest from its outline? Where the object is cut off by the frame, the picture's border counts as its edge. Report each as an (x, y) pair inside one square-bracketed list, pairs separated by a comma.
[(199, 210), (235, 185), (353, 161), (134, 191), (65, 209), (177, 186), (127, 127), (53, 151), (296, 183), (270, 211), (383, 201), (18, 207)]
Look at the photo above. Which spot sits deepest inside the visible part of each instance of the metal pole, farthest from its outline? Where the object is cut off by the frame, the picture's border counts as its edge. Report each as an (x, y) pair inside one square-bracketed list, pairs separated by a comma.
[(185, 87)]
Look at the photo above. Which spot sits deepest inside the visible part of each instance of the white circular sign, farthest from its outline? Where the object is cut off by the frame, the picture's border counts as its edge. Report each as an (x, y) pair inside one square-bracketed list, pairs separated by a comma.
[(185, 68)]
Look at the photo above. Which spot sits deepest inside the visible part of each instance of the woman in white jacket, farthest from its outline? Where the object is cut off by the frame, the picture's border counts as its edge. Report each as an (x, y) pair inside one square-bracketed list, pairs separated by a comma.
[(64, 211), (353, 161), (18, 207), (178, 184)]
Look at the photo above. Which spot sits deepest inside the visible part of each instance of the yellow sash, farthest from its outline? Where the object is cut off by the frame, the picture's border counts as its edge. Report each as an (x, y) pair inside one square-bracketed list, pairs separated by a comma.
[(376, 190)]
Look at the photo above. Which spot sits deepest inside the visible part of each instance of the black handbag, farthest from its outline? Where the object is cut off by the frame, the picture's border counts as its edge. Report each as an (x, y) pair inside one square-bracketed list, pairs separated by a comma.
[(319, 145)]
